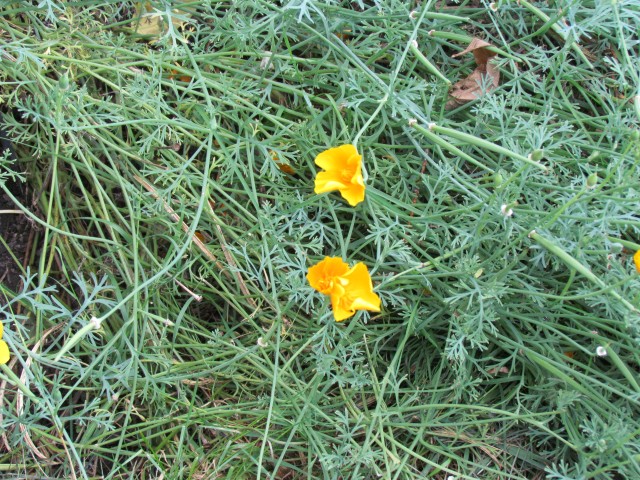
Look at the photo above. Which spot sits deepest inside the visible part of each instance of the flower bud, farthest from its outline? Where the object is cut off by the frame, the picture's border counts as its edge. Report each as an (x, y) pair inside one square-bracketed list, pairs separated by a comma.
[(537, 155), (63, 82), (616, 248), (498, 179)]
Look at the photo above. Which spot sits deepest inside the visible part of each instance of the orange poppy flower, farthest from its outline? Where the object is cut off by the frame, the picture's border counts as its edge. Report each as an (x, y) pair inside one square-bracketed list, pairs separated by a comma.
[(636, 260), (350, 289), (342, 171)]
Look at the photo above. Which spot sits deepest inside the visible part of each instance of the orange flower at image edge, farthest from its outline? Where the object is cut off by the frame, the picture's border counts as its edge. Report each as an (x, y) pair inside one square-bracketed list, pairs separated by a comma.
[(350, 289), (343, 172), (636, 260), (4, 348)]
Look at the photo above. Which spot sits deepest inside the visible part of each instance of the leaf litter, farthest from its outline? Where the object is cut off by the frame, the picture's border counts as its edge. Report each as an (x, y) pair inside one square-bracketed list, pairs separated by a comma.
[(474, 85)]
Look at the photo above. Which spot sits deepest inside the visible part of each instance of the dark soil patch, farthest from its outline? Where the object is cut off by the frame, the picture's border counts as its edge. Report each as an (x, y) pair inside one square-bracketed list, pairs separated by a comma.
[(15, 230)]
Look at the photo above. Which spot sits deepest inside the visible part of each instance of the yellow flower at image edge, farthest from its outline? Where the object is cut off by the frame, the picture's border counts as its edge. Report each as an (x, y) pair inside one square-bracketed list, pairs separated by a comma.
[(342, 171), (4, 348), (636, 260), (350, 289)]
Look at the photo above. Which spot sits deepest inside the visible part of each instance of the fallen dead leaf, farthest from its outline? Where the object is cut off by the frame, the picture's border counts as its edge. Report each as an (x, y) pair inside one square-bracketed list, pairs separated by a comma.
[(471, 87), (151, 23), (284, 167)]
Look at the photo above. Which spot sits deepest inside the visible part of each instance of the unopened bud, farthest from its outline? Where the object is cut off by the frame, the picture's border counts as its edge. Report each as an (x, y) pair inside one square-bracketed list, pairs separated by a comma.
[(63, 82), (537, 155), (616, 248), (592, 180)]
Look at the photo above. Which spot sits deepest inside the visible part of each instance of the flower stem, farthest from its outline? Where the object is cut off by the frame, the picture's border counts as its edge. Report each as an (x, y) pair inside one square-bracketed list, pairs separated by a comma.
[(481, 143), (427, 64), (556, 28), (577, 266), (451, 148), (617, 361), (13, 379), (624, 243), (93, 324), (382, 102)]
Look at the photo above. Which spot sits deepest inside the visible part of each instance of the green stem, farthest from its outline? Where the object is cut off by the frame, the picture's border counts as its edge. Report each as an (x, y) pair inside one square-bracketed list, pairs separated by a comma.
[(481, 143), (617, 361), (576, 265), (624, 243), (556, 28), (14, 380), (93, 324), (447, 146), (427, 64)]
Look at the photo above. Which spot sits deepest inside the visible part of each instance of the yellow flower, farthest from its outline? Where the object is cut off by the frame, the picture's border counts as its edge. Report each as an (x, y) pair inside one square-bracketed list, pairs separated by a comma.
[(636, 260), (4, 348), (325, 275), (343, 172), (350, 289)]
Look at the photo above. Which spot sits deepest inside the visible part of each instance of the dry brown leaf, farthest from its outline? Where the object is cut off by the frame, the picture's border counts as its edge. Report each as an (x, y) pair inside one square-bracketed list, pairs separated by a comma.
[(284, 167), (479, 49), (151, 23), (470, 88), (148, 25)]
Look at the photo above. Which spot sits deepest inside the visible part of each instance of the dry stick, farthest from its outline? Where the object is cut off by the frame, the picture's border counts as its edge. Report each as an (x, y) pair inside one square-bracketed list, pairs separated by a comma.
[(470, 441), (20, 395), (200, 244), (194, 238), (197, 298), (232, 262)]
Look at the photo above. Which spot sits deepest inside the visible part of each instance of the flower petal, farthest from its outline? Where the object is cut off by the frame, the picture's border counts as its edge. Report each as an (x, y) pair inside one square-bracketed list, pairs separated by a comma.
[(356, 295), (360, 289), (4, 352), (368, 301), (1, 329), (340, 310), (355, 161), (359, 278), (353, 194), (338, 157), (328, 182), (325, 275), (636, 260)]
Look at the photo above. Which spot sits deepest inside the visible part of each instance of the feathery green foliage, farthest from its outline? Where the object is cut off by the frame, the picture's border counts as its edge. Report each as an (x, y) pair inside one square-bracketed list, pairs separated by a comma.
[(214, 358)]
